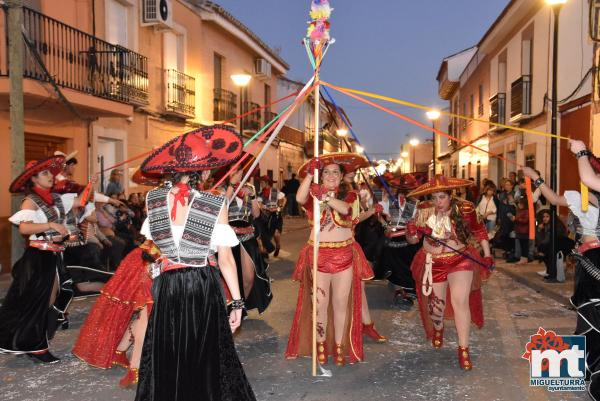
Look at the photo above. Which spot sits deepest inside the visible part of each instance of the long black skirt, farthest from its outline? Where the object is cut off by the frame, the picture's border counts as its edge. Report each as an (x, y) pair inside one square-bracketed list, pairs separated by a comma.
[(396, 259), (24, 312), (260, 295), (188, 352), (586, 300)]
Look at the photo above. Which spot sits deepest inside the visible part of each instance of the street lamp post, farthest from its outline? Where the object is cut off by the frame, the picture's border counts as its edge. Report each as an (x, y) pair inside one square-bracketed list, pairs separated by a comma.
[(413, 143), (342, 133), (241, 81), (404, 155), (433, 115), (556, 6)]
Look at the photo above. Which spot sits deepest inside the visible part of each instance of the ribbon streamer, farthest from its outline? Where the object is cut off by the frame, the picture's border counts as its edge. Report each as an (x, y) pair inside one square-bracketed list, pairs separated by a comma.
[(530, 208), (585, 197)]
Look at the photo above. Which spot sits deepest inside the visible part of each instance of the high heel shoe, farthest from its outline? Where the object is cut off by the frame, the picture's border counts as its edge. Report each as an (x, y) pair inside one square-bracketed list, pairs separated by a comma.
[(369, 330), (130, 379), (322, 352), (464, 359), (438, 338), (120, 359), (340, 360)]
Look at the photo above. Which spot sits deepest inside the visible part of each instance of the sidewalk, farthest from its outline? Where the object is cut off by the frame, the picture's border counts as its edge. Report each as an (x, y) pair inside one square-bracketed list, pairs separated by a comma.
[(527, 275)]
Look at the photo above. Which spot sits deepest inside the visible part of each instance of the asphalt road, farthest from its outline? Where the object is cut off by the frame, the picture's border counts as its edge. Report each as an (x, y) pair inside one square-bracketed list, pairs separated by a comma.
[(405, 368)]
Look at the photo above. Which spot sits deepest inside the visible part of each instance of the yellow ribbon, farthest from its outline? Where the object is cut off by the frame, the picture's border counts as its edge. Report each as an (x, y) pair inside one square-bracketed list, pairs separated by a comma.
[(584, 197)]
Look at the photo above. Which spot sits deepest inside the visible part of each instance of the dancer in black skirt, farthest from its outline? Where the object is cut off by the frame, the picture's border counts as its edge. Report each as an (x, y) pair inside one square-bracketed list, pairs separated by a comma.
[(41, 289), (189, 353)]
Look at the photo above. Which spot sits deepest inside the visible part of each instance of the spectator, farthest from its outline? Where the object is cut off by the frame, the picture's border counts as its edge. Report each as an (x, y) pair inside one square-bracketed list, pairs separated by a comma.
[(521, 220), (507, 211), (542, 240), (487, 207), (106, 225), (512, 176), (114, 183), (472, 192), (292, 186)]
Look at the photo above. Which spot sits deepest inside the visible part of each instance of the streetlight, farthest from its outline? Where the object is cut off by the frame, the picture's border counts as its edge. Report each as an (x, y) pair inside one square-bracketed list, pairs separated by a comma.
[(342, 133), (556, 6), (433, 115), (413, 143), (241, 81)]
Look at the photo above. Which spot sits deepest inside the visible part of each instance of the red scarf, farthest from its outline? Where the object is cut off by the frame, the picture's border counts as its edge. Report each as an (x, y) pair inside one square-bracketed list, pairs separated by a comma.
[(45, 194), (180, 196)]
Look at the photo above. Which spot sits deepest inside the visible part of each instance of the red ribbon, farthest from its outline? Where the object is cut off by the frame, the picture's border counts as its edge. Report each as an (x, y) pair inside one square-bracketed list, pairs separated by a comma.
[(45, 194), (180, 196), (530, 208)]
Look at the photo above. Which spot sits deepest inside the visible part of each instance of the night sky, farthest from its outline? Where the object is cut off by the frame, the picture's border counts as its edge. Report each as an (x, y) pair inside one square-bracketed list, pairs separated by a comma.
[(391, 47)]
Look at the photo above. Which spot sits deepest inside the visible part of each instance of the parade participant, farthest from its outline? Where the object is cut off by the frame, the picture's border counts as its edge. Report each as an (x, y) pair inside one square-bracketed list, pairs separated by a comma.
[(397, 253), (119, 318), (586, 295), (41, 289), (366, 213), (447, 260), (254, 282), (339, 273), (188, 352), (273, 202)]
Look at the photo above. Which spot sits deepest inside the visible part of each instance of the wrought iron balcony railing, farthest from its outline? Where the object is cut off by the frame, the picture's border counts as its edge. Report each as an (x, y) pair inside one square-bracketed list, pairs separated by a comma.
[(498, 109), (80, 61), (224, 104), (181, 93), (520, 97), (253, 120)]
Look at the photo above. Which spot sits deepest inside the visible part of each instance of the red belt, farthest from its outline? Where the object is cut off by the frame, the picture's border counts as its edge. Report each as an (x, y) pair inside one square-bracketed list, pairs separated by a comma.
[(394, 234), (586, 246), (167, 265), (46, 246), (243, 230)]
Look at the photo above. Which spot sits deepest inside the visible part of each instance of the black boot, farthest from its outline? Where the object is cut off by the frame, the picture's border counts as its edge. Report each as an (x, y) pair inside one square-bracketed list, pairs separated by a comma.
[(44, 357)]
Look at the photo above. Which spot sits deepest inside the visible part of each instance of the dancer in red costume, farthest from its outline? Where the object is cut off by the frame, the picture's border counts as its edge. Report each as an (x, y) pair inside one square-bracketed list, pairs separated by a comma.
[(119, 318), (341, 267), (446, 259)]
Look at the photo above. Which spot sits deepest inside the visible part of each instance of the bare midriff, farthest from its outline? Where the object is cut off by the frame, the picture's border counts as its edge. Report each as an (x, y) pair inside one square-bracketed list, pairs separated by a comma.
[(439, 249)]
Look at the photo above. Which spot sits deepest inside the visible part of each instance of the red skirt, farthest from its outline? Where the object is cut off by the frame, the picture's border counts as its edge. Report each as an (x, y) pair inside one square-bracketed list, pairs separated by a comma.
[(333, 259), (441, 268), (128, 291)]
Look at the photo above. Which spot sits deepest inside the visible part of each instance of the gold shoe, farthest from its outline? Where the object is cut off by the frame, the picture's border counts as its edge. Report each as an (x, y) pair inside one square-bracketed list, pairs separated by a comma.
[(340, 360)]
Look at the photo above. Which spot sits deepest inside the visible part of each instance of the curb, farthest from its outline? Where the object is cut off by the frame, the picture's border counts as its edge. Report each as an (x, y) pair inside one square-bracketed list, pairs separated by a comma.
[(537, 287)]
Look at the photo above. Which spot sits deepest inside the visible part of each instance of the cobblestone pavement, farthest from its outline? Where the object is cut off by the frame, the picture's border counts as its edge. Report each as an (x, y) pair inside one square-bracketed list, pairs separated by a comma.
[(406, 368)]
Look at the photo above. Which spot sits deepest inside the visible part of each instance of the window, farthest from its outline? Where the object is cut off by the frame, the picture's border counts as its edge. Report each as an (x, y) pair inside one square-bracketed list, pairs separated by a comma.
[(119, 24), (173, 51), (480, 108), (472, 108), (502, 72), (218, 71), (530, 161)]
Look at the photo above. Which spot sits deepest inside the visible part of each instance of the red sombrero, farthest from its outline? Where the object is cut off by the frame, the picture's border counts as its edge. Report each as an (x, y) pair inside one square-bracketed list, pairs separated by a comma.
[(202, 149), (387, 177), (267, 179), (350, 161), (404, 182), (148, 179), (54, 163), (248, 161), (440, 183)]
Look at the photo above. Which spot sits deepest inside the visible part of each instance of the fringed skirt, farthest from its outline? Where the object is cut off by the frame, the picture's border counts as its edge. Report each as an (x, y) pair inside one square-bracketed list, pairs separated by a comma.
[(127, 292), (442, 266), (188, 352)]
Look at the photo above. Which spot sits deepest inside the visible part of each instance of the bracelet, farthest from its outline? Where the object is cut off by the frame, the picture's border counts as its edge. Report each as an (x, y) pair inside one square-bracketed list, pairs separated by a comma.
[(538, 182), (582, 153), (237, 304)]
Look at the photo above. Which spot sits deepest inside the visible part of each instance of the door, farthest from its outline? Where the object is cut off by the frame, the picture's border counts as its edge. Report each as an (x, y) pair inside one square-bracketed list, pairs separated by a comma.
[(110, 152)]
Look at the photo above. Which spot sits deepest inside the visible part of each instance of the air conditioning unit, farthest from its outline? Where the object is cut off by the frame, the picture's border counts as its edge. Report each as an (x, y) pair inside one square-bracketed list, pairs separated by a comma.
[(262, 68), (157, 12)]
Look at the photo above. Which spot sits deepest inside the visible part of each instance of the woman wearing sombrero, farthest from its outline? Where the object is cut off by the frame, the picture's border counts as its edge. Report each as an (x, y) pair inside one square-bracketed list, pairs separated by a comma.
[(447, 259), (188, 352), (119, 317), (41, 289), (397, 253), (254, 282), (340, 267)]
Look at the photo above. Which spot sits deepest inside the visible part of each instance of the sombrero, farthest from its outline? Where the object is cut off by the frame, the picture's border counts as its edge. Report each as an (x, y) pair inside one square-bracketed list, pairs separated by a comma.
[(350, 161), (54, 163), (404, 182), (267, 179), (248, 161), (202, 149), (387, 177), (68, 156), (440, 183), (148, 179)]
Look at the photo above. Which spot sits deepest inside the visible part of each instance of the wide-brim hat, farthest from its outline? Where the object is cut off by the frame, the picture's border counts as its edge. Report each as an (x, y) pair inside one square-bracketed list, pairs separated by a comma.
[(206, 148), (147, 179), (248, 161), (350, 161), (54, 163), (440, 183), (404, 182), (387, 177), (68, 156), (268, 179)]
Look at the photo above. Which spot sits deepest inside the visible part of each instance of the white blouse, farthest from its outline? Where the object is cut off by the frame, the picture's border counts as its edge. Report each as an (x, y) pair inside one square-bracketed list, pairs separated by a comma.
[(589, 219), (37, 216), (222, 235)]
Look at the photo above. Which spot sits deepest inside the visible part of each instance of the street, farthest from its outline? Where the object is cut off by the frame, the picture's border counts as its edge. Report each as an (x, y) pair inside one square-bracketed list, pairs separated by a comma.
[(405, 368)]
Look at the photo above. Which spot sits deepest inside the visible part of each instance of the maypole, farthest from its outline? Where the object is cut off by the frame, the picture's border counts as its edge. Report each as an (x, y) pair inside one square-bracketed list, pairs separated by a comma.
[(318, 37)]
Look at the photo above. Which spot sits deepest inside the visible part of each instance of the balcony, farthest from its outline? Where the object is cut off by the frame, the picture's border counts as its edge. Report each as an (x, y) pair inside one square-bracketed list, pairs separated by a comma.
[(498, 111), (84, 63), (224, 104), (181, 94), (253, 120), (520, 98), (291, 135)]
